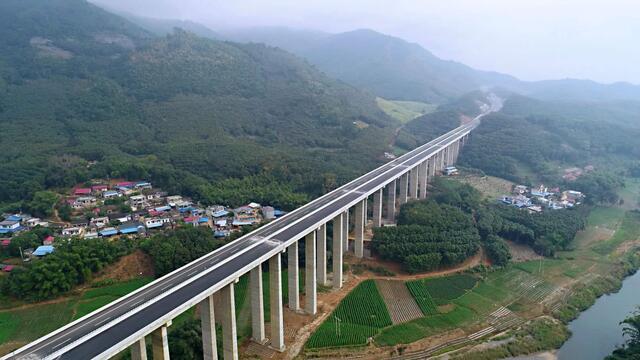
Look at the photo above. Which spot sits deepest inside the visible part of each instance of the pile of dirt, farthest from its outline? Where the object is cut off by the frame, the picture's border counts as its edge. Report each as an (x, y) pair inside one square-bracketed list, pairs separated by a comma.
[(134, 265)]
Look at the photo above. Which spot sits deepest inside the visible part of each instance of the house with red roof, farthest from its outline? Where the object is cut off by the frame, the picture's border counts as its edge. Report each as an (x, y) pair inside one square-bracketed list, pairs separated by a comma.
[(48, 240), (97, 189), (82, 191)]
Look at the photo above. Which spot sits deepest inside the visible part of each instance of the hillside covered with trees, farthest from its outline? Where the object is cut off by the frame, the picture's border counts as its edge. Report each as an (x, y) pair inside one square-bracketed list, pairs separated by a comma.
[(85, 94), (454, 222), (526, 142)]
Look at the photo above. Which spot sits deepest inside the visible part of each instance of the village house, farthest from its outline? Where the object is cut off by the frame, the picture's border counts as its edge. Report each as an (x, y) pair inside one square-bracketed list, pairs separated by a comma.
[(158, 222), (450, 171), (137, 201), (268, 213), (111, 194), (131, 227), (48, 240), (99, 222), (119, 217), (82, 191), (9, 226), (43, 250), (106, 232), (91, 234), (142, 185), (73, 231), (572, 197), (99, 189), (85, 201), (33, 222), (173, 199), (245, 215)]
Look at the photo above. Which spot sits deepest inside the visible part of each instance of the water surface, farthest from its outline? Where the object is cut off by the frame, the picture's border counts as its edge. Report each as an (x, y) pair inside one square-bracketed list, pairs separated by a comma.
[(596, 332)]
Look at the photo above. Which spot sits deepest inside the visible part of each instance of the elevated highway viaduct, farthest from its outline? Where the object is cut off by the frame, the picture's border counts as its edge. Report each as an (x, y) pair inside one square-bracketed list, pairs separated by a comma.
[(208, 281)]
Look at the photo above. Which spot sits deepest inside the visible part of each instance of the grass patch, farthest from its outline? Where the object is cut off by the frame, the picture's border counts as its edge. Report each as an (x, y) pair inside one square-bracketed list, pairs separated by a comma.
[(629, 230), (85, 307), (117, 289), (609, 217), (476, 302), (491, 292), (32, 322), (404, 111)]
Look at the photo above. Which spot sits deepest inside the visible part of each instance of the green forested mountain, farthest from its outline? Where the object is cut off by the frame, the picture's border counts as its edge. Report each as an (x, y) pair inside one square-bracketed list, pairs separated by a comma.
[(531, 141), (79, 84)]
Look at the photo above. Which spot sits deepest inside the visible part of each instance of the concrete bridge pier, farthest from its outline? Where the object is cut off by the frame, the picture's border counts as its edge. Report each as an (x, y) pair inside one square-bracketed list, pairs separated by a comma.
[(293, 275), (310, 285), (228, 321), (322, 254), (275, 304), (257, 305), (377, 208), (345, 231), (337, 251), (160, 343), (359, 228), (432, 166), (391, 201), (404, 184), (208, 325), (139, 350), (413, 182), (423, 178)]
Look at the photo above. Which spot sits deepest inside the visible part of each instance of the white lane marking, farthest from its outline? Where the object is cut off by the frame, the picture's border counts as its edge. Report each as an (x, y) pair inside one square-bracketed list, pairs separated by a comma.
[(136, 303), (62, 343), (102, 322)]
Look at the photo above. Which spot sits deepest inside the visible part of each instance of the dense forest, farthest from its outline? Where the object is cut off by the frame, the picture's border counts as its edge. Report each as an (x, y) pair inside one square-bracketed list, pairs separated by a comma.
[(73, 263), (450, 226), (86, 94), (523, 145)]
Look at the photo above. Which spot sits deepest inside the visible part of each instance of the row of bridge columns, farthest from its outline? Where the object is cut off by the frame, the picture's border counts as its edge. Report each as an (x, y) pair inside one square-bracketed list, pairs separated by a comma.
[(220, 307)]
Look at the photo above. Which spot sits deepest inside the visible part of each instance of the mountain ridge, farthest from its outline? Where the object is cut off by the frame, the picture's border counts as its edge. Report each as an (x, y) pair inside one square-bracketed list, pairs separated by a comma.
[(180, 110)]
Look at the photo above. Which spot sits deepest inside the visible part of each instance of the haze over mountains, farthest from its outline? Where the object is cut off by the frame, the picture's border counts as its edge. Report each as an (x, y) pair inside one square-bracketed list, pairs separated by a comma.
[(397, 69)]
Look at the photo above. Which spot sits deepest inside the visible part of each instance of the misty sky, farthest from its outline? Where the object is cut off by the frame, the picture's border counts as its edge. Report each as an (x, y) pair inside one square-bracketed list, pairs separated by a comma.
[(532, 39)]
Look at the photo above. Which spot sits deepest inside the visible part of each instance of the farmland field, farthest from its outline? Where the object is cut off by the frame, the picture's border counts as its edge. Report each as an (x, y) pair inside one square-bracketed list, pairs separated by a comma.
[(423, 298), (420, 328), (444, 289), (477, 303), (359, 316)]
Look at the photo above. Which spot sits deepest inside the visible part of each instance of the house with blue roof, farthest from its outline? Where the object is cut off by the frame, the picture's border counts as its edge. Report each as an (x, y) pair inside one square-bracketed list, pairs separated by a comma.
[(131, 228), (9, 226), (43, 250), (110, 231)]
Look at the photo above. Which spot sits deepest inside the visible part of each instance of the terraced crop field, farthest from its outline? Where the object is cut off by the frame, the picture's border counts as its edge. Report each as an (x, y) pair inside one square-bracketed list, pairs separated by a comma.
[(444, 289), (401, 304), (423, 298), (358, 317)]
